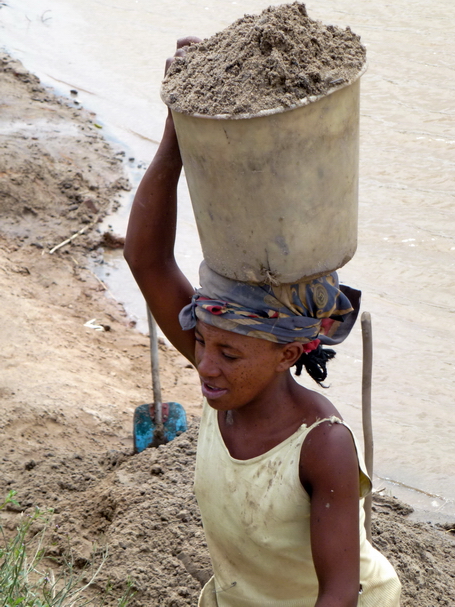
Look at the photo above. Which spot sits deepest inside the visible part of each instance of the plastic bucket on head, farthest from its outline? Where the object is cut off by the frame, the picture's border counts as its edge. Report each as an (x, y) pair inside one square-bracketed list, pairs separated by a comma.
[(275, 195)]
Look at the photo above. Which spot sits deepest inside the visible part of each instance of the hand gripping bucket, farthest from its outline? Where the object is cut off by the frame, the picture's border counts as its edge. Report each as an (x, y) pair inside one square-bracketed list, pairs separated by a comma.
[(275, 195)]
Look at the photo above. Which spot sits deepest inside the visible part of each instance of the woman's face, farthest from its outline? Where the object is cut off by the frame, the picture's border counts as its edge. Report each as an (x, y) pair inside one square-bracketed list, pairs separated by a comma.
[(234, 369)]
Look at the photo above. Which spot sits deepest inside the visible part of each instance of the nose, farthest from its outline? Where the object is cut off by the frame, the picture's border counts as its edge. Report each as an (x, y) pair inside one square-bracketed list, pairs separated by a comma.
[(207, 366)]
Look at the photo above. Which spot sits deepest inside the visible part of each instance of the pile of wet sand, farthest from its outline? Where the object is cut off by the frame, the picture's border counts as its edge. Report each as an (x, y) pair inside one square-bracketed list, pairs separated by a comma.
[(143, 508), (275, 59)]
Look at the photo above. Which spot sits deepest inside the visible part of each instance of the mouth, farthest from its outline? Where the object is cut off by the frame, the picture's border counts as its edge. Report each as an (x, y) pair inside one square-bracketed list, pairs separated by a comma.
[(211, 392)]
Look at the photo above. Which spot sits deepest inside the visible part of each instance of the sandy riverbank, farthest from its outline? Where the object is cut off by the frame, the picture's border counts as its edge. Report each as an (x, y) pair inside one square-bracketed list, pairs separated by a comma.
[(68, 392)]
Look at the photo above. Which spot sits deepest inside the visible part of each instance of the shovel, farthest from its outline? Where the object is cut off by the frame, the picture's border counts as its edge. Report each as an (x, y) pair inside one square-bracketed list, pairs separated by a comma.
[(157, 423)]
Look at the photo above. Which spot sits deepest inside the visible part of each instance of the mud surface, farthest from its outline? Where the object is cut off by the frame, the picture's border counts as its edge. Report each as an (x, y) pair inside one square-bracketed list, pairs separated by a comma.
[(68, 391), (272, 60)]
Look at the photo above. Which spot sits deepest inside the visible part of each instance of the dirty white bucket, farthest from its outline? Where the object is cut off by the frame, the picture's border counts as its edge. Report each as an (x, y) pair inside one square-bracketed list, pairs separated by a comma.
[(275, 195)]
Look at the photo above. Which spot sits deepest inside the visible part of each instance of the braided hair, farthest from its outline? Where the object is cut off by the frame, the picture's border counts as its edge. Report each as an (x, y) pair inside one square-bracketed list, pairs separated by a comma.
[(315, 363)]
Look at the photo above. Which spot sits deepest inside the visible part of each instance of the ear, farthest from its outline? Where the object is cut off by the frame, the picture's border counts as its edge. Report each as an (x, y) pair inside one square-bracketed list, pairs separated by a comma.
[(290, 354)]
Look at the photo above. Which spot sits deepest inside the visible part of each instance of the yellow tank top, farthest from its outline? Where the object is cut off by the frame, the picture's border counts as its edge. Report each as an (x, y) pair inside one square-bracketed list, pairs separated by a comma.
[(256, 518)]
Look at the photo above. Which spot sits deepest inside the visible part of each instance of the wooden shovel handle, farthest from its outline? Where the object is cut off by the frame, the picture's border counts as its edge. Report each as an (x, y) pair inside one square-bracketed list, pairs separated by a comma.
[(156, 384)]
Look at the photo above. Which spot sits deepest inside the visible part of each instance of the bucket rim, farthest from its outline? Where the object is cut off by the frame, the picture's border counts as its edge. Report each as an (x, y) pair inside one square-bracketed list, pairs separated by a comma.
[(271, 111)]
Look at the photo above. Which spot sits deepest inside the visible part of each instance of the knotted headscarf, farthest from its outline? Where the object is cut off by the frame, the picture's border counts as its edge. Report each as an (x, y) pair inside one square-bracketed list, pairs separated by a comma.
[(316, 312)]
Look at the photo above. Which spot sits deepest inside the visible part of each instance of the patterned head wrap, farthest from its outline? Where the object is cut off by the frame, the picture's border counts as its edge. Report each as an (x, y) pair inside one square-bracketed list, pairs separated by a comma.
[(319, 311)]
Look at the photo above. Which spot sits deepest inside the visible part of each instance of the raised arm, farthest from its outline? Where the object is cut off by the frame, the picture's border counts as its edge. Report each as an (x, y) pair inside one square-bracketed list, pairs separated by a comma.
[(149, 244), (330, 474)]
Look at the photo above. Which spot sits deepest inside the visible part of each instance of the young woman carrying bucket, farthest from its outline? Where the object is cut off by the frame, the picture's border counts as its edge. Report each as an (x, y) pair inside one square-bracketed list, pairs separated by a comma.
[(279, 477)]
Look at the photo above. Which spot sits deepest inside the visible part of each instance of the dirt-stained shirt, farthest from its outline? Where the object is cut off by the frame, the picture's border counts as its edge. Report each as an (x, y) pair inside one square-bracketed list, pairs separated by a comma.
[(256, 518)]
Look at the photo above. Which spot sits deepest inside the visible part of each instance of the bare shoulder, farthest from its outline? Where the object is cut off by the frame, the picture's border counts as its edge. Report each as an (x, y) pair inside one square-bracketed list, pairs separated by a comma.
[(328, 456), (315, 406)]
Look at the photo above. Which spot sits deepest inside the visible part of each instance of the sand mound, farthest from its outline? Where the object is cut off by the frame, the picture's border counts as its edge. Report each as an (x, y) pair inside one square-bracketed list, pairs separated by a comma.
[(275, 59)]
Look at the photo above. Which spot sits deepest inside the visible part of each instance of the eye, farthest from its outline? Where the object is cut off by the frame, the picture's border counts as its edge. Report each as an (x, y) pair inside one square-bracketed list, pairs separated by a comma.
[(199, 340), (229, 356)]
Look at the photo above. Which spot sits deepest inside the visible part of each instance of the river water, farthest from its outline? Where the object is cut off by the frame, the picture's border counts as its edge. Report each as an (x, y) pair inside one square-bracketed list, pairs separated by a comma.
[(113, 52)]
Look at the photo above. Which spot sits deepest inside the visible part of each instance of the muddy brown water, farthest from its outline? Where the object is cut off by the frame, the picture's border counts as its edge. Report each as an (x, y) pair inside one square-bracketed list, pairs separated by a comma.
[(112, 52)]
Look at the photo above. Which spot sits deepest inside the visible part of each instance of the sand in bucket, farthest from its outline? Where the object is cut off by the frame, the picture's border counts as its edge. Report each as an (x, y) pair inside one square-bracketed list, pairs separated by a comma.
[(267, 118)]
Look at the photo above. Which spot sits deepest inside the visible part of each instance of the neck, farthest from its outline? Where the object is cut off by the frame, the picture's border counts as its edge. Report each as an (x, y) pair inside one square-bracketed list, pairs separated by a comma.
[(279, 401), (264, 423)]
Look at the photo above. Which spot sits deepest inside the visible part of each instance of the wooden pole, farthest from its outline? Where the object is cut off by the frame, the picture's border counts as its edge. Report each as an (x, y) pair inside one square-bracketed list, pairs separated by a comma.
[(367, 367)]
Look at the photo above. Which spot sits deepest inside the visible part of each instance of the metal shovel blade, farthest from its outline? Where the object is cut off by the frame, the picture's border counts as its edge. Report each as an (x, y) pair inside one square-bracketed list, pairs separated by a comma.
[(145, 427)]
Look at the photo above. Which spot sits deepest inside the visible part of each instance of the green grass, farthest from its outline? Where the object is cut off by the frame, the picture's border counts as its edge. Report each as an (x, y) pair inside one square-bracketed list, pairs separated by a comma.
[(26, 581)]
